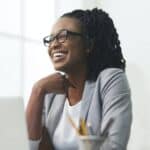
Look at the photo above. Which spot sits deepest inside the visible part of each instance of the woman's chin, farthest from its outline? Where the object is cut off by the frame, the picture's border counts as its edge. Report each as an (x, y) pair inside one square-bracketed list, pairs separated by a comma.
[(60, 68)]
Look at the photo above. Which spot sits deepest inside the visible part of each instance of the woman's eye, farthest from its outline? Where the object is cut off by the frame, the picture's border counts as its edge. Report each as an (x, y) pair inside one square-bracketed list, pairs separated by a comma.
[(61, 36)]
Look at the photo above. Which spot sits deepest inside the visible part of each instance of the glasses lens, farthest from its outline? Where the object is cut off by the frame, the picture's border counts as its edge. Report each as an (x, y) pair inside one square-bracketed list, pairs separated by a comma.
[(62, 36), (47, 40)]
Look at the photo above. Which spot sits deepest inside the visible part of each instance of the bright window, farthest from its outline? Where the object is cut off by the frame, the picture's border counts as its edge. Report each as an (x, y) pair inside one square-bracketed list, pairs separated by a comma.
[(23, 58)]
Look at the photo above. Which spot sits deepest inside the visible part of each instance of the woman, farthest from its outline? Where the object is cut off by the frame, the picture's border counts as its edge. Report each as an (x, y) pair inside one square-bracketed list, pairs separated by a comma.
[(84, 45)]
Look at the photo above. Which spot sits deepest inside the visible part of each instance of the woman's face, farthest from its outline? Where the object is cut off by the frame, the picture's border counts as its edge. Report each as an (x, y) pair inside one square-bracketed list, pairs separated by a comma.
[(67, 54)]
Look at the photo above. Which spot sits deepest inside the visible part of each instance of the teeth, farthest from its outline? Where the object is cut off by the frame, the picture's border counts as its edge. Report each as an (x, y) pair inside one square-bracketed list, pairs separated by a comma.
[(58, 54)]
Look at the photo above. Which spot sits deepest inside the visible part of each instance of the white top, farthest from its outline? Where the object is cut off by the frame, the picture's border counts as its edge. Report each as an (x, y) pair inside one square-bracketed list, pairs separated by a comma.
[(65, 136)]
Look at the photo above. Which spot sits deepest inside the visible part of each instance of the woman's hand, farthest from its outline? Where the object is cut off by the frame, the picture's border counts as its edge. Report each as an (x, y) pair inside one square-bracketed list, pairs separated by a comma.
[(54, 83)]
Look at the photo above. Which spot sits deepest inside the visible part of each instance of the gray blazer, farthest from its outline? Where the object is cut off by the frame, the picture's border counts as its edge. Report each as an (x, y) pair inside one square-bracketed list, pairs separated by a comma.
[(106, 98)]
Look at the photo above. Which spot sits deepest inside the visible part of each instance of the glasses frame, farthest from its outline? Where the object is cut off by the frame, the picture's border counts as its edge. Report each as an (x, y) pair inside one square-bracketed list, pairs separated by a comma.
[(48, 40)]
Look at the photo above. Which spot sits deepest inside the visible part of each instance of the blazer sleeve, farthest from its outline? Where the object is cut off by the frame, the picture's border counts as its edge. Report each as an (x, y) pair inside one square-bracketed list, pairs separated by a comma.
[(116, 106)]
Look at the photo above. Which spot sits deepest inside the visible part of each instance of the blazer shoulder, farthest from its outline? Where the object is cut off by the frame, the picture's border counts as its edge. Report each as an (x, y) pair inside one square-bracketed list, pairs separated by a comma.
[(112, 76), (110, 73)]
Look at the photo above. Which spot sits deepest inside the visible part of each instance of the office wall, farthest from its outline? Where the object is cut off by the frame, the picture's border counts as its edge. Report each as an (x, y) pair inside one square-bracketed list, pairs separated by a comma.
[(10, 45), (62, 6)]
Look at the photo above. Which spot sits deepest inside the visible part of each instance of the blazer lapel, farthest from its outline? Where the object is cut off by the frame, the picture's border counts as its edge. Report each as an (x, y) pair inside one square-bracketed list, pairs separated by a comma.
[(55, 112), (87, 98), (91, 107)]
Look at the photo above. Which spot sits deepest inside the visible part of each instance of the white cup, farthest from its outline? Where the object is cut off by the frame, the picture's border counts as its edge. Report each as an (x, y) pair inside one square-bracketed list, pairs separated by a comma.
[(90, 142)]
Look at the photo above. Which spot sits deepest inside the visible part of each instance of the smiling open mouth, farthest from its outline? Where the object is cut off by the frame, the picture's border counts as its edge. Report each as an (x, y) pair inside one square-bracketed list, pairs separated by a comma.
[(57, 56)]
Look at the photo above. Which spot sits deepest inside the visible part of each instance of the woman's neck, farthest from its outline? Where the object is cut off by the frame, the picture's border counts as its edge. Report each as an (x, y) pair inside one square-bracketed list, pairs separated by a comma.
[(77, 80)]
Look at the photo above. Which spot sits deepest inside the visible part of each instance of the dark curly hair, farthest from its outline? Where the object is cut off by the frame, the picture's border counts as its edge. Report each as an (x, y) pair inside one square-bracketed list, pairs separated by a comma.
[(102, 38)]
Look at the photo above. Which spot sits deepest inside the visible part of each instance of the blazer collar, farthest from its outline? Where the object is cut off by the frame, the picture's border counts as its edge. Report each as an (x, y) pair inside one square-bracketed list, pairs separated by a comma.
[(86, 99), (55, 112)]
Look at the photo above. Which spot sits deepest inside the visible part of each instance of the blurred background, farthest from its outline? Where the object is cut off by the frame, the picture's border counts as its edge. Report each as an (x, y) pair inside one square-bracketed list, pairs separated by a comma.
[(24, 59)]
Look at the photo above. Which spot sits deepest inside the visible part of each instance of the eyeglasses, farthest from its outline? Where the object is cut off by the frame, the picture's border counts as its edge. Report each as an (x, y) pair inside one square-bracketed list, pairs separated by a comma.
[(61, 37)]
